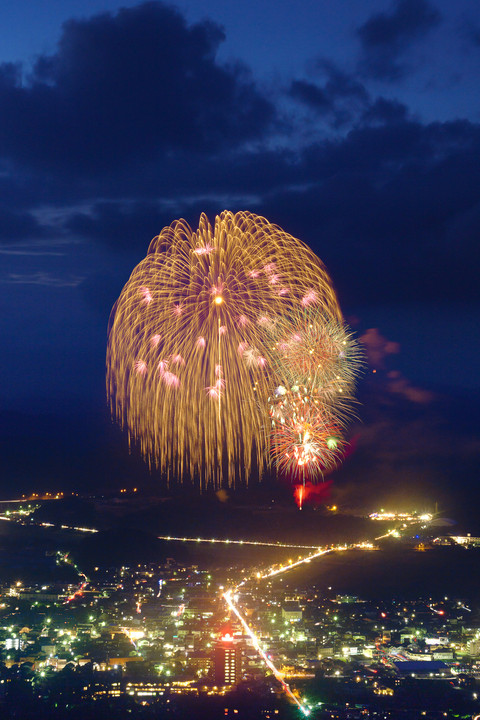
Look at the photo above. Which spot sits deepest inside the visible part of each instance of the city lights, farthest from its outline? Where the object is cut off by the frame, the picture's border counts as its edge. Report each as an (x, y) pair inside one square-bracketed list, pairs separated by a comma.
[(231, 598), (203, 630)]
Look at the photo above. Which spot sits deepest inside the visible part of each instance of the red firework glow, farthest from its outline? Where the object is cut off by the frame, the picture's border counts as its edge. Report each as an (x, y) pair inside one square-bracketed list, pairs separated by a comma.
[(311, 493)]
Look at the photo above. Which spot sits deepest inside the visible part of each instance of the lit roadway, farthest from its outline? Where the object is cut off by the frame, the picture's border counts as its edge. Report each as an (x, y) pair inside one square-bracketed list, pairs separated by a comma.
[(237, 542), (231, 595)]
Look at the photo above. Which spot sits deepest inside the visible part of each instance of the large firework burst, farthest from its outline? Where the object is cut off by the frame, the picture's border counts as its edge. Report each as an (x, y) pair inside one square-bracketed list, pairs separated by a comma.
[(190, 364)]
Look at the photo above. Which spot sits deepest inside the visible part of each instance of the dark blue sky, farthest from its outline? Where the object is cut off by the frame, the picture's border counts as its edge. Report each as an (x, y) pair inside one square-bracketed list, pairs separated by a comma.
[(354, 125)]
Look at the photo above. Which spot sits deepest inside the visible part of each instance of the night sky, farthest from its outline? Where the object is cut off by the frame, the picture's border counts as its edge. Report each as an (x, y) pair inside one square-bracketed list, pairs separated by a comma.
[(353, 125)]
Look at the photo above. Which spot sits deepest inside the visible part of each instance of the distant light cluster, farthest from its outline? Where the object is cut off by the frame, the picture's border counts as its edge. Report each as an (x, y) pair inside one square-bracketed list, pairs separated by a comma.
[(406, 517)]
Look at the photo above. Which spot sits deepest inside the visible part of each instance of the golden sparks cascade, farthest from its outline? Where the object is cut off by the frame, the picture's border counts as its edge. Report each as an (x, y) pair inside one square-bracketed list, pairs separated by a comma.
[(210, 352)]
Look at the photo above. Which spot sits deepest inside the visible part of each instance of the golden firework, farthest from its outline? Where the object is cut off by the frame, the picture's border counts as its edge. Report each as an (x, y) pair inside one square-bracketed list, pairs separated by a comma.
[(188, 369)]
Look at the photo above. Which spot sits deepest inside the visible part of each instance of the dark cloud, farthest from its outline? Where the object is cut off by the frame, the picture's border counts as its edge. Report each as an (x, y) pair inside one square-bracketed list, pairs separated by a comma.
[(338, 99), (385, 112), (384, 208), (136, 84), (133, 122), (342, 100), (385, 37), (311, 95), (393, 208)]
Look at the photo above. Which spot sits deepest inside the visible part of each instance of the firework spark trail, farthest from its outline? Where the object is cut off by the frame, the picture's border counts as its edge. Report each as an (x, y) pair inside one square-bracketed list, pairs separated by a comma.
[(199, 300)]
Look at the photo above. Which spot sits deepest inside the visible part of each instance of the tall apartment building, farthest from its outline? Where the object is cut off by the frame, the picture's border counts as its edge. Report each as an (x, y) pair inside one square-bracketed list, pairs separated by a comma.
[(228, 661)]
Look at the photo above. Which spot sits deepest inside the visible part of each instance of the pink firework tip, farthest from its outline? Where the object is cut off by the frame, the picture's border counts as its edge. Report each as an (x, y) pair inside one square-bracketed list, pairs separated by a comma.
[(177, 360), (154, 340), (214, 392), (170, 379), (162, 367), (269, 267), (146, 295), (178, 309), (140, 367), (222, 330), (242, 347), (261, 361), (309, 298), (204, 249), (218, 371), (201, 342), (243, 320)]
